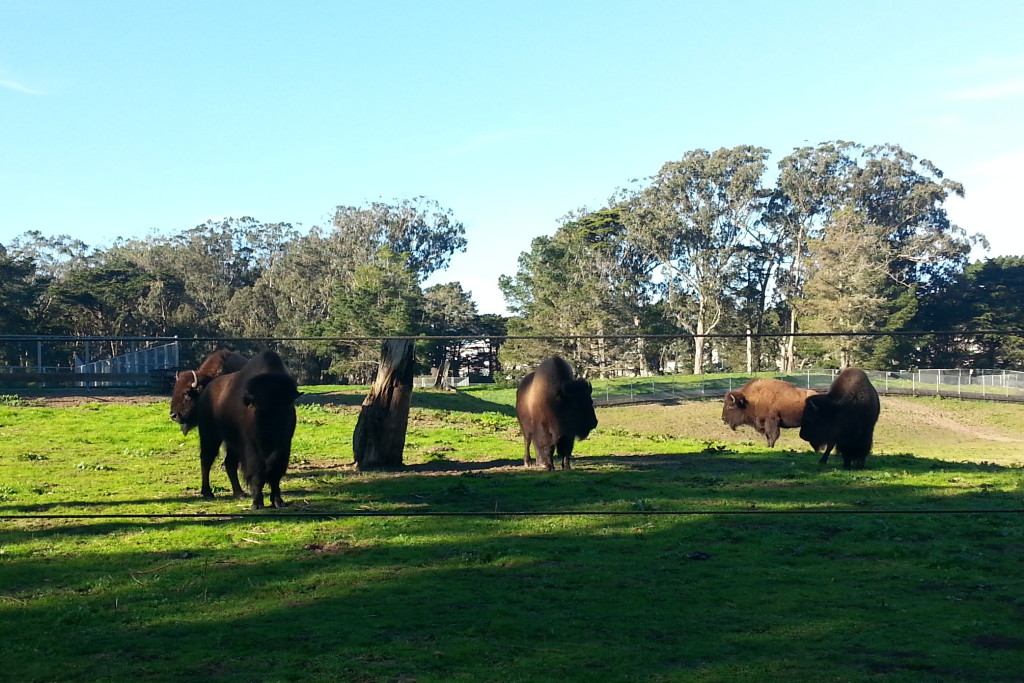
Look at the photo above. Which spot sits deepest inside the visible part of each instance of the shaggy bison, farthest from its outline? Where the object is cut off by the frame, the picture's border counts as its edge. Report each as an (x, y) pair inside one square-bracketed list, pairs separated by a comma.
[(252, 413), (554, 409), (767, 405), (843, 418), (188, 384)]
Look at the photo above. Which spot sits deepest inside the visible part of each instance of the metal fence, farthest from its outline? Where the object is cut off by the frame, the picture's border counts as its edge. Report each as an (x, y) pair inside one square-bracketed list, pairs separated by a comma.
[(139, 362), (998, 385), (149, 367)]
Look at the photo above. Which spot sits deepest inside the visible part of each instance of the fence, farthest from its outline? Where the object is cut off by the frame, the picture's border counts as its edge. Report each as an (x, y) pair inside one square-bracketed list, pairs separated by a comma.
[(152, 367), (998, 385)]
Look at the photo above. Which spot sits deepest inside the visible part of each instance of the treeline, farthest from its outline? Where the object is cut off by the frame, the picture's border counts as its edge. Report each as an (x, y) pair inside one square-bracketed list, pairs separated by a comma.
[(847, 238), (841, 237), (360, 277)]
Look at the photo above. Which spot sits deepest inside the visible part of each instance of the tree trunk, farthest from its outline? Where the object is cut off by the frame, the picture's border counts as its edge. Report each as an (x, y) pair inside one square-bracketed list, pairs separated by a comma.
[(379, 437), (698, 348)]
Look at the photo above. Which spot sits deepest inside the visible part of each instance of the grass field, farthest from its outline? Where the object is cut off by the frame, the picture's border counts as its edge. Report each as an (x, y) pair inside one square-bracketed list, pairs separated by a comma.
[(780, 569)]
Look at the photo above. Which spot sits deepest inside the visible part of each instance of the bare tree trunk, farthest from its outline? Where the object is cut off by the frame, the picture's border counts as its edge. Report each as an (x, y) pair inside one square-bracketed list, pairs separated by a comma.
[(379, 437), (641, 349), (698, 348), (750, 352)]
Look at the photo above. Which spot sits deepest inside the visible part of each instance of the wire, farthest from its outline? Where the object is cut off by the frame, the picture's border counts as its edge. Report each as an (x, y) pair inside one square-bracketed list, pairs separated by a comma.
[(304, 514)]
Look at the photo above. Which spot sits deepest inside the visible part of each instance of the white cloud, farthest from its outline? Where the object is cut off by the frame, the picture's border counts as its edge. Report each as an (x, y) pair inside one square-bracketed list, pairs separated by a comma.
[(18, 87)]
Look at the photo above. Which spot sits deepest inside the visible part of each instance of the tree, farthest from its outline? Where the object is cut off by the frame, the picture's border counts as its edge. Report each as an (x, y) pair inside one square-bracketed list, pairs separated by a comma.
[(382, 300), (987, 296), (102, 300), (845, 286), (20, 288), (584, 281), (448, 311), (692, 220), (808, 190), (426, 234)]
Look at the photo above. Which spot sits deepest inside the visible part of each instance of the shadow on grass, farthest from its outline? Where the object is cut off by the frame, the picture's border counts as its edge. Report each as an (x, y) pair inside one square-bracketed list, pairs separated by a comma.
[(427, 599)]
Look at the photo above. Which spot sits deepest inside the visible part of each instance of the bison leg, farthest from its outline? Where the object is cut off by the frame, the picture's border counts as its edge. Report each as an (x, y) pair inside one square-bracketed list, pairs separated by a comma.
[(527, 460), (231, 467), (771, 431), (544, 456), (209, 446), (824, 456), (565, 450), (275, 494)]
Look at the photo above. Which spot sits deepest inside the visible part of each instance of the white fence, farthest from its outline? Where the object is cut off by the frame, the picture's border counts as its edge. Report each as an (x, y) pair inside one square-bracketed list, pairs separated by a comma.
[(999, 385)]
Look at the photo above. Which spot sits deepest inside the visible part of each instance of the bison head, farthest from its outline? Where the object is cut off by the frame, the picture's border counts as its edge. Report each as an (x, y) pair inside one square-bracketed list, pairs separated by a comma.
[(578, 407), (734, 409), (815, 426), (183, 399)]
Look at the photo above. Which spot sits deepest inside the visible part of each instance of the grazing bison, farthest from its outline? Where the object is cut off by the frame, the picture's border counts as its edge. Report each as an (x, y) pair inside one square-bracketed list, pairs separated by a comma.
[(843, 418), (252, 412), (767, 405), (554, 409), (188, 384)]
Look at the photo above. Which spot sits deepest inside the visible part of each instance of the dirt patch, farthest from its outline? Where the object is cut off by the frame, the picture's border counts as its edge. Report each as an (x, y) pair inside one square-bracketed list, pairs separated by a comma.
[(66, 398), (926, 414)]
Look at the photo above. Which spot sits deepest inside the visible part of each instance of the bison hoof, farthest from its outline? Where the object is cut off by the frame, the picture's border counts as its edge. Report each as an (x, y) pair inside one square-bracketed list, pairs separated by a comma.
[(207, 495), (256, 506), (279, 503)]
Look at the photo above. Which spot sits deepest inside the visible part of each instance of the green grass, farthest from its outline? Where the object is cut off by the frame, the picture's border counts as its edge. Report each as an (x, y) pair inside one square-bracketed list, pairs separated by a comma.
[(642, 596)]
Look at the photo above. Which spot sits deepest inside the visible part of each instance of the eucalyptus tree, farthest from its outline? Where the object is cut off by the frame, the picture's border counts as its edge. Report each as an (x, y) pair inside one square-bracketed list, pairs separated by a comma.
[(809, 188), (694, 220), (846, 284), (420, 229)]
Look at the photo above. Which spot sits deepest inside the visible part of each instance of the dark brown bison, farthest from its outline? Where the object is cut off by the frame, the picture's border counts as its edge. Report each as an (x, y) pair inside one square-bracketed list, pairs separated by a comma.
[(554, 409), (252, 412), (188, 384), (844, 418), (767, 405)]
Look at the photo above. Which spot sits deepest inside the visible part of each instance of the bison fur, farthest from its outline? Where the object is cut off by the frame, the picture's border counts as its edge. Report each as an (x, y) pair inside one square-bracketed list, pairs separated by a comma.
[(188, 384), (767, 405), (252, 413), (554, 409), (844, 418)]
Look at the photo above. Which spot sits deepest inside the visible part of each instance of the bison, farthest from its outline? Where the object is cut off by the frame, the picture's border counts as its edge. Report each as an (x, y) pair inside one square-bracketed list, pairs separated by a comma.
[(844, 418), (554, 409), (252, 412), (767, 405), (188, 384)]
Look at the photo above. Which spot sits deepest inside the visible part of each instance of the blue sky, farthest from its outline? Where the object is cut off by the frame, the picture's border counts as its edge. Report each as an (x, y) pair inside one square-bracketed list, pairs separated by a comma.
[(123, 118)]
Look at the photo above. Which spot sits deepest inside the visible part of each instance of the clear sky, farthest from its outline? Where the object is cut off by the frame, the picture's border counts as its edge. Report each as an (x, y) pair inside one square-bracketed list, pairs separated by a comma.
[(122, 118)]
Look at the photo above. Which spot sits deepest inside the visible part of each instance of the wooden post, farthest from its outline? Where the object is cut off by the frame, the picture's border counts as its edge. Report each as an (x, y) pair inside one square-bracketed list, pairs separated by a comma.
[(379, 438)]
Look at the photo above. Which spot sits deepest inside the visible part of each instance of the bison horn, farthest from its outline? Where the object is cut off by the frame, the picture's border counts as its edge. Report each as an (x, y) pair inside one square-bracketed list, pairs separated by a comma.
[(195, 379)]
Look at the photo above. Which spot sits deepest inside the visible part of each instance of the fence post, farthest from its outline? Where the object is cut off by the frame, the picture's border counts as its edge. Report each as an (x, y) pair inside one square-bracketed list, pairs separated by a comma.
[(938, 381)]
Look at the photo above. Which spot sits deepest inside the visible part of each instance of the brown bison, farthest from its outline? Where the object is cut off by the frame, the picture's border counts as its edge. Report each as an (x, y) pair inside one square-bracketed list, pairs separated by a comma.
[(188, 384), (767, 405), (252, 412), (843, 418), (554, 409)]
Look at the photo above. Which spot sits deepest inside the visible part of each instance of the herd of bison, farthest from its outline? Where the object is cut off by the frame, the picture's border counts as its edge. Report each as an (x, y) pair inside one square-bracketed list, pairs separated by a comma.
[(248, 405)]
